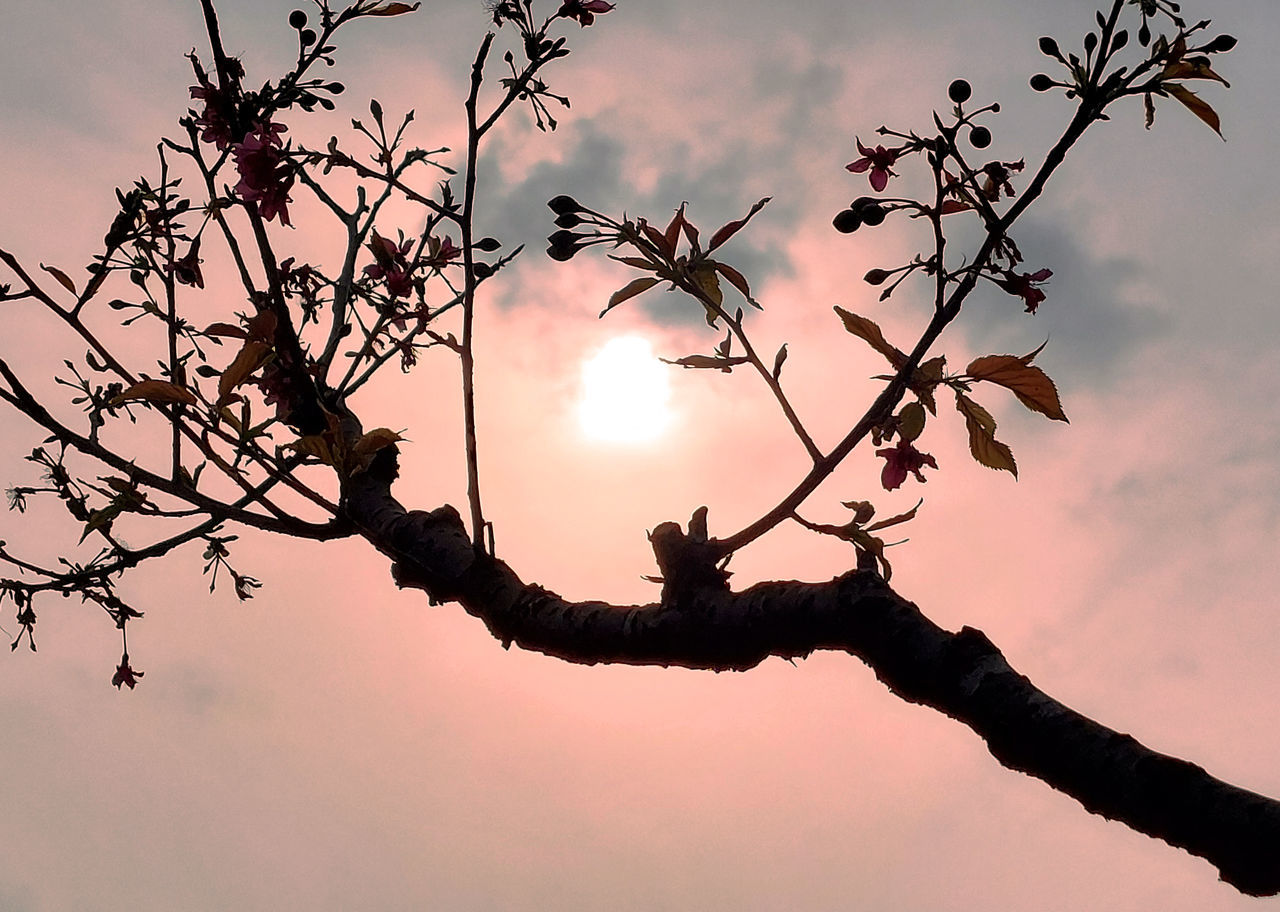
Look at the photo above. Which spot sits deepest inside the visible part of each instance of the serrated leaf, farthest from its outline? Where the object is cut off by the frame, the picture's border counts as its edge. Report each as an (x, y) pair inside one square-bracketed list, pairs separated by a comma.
[(869, 332), (155, 391), (1197, 106), (630, 290), (1030, 384), (982, 436), (63, 279)]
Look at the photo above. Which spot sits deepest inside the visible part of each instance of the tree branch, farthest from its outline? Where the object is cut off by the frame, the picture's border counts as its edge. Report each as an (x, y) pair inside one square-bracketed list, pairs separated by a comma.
[(962, 675)]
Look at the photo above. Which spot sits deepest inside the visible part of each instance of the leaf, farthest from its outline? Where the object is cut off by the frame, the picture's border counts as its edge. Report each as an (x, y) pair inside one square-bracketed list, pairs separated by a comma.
[(1195, 68), (155, 391), (1149, 106), (869, 332), (363, 452), (637, 262), (226, 329), (708, 362), (101, 519), (1030, 384), (709, 284), (895, 520), (865, 541), (252, 355), (911, 422), (982, 436), (863, 510), (729, 229), (925, 379), (778, 360), (630, 290), (63, 279), (390, 9), (737, 280), (1197, 106)]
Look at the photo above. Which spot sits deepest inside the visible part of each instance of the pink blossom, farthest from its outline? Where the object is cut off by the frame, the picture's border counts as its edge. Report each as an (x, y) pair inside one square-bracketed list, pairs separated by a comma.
[(584, 11), (901, 459), (266, 173), (880, 160), (1024, 285)]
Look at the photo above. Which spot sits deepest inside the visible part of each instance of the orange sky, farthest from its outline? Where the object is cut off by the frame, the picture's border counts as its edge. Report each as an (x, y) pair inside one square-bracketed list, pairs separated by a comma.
[(338, 744)]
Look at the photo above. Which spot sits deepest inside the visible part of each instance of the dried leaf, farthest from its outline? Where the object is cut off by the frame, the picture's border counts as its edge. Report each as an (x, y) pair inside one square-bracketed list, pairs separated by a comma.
[(155, 391), (895, 520), (252, 355), (869, 332), (708, 362), (729, 229), (63, 279), (1030, 384), (982, 436), (630, 290), (709, 283), (390, 9), (1197, 106), (737, 280)]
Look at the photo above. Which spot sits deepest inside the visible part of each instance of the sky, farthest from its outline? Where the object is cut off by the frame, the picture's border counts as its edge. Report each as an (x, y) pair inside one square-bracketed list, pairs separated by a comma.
[(338, 744)]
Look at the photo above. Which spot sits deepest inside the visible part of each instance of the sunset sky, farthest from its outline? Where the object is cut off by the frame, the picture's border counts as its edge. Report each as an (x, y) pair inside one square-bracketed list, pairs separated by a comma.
[(338, 744)]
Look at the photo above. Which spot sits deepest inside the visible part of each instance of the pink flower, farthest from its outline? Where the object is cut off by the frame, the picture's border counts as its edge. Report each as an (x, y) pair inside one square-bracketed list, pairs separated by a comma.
[(901, 459), (584, 11), (880, 160), (126, 675), (1024, 285), (391, 264), (266, 173), (187, 269)]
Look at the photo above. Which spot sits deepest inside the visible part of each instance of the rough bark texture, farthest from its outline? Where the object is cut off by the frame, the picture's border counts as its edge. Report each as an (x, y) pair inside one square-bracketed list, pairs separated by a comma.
[(960, 674)]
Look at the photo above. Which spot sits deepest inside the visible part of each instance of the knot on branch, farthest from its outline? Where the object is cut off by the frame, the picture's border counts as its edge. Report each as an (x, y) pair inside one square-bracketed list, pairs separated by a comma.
[(690, 563), (434, 553)]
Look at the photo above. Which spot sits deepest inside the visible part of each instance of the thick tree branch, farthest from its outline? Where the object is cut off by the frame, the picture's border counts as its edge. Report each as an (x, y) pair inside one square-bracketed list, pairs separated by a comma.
[(960, 674)]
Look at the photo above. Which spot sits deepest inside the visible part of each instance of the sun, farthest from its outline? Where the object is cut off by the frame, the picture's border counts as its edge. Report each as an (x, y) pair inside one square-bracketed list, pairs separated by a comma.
[(625, 393)]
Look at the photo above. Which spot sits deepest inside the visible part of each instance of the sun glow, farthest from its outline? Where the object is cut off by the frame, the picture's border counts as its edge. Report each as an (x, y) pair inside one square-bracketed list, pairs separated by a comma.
[(625, 393)]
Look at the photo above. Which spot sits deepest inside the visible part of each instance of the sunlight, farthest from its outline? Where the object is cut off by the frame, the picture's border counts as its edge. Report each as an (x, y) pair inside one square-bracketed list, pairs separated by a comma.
[(625, 393)]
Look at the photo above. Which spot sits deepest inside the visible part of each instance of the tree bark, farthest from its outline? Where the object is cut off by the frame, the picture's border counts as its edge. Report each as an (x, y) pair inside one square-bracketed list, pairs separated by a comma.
[(960, 674)]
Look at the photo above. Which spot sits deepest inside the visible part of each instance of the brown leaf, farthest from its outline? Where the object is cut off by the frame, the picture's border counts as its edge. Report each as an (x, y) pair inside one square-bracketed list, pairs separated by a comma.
[(226, 329), (708, 361), (869, 332), (252, 355), (630, 290), (729, 229), (155, 391), (1197, 106), (1192, 69), (63, 279), (1030, 384), (709, 283), (737, 280), (391, 9), (895, 520), (637, 262), (363, 452), (982, 436)]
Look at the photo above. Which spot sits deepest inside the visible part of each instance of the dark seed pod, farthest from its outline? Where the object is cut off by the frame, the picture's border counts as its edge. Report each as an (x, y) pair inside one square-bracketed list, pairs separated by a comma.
[(298, 19), (307, 37), (959, 91), (846, 221), (980, 137), (872, 215), (1041, 83)]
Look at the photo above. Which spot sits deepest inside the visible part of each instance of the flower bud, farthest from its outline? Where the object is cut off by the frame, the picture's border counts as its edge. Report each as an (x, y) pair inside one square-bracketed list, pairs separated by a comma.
[(876, 276), (1041, 82), (307, 37), (298, 19), (1120, 40), (959, 91), (568, 220), (980, 137), (488, 244), (1049, 47), (563, 203), (872, 214), (1220, 45)]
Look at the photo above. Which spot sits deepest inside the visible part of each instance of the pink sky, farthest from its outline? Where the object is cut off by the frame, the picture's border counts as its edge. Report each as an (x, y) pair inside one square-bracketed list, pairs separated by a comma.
[(338, 744)]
